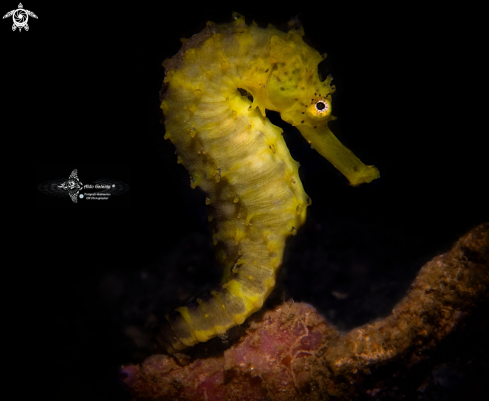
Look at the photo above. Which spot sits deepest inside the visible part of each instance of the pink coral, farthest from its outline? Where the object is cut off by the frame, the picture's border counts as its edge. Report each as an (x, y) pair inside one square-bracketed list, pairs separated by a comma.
[(274, 352)]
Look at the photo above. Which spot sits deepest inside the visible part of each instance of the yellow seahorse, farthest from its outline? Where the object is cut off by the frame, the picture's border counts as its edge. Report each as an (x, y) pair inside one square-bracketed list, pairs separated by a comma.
[(240, 160)]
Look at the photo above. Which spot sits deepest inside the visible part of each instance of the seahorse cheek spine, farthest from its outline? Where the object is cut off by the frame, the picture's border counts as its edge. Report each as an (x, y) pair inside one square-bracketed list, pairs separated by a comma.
[(240, 160)]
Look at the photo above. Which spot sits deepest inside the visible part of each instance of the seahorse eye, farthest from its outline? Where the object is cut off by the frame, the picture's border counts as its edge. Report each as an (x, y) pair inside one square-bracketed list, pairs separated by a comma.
[(319, 109), (321, 105)]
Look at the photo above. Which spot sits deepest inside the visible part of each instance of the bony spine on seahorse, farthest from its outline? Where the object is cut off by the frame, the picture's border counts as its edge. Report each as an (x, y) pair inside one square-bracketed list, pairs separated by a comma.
[(240, 160)]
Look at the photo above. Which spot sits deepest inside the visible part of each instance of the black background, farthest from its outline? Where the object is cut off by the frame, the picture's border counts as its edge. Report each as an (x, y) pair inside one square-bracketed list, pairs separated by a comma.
[(84, 83)]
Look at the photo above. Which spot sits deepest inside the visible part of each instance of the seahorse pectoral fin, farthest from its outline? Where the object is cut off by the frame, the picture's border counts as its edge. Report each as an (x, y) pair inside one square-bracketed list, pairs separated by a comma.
[(328, 146)]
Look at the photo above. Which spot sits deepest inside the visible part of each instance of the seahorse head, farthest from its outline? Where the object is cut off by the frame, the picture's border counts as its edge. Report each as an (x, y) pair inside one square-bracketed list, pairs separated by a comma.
[(295, 89)]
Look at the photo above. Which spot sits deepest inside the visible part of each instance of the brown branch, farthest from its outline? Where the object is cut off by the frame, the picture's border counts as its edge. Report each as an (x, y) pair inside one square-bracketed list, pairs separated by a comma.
[(292, 353)]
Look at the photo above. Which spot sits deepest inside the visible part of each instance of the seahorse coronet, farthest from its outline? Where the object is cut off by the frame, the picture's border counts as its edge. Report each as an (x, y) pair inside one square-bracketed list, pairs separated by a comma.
[(216, 91)]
